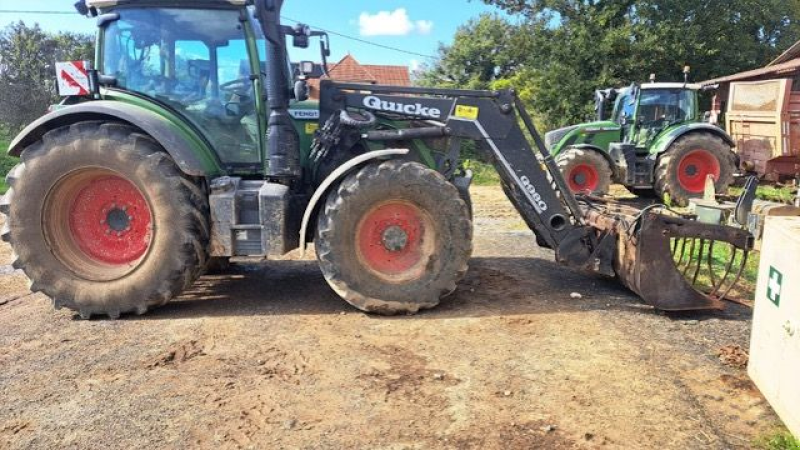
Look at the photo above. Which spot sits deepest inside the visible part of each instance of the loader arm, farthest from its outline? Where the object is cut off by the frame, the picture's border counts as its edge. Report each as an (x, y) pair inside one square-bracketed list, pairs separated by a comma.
[(533, 183)]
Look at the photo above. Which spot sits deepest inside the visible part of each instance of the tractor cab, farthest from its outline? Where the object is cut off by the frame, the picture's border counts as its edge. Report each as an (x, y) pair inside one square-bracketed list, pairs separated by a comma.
[(643, 112)]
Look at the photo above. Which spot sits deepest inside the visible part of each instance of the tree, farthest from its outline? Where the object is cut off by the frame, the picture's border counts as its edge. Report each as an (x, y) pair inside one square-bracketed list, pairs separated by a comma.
[(559, 51), (27, 70), (480, 55)]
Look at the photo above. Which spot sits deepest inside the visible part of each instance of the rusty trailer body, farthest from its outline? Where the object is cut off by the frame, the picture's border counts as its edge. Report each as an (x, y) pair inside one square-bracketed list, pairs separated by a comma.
[(763, 118)]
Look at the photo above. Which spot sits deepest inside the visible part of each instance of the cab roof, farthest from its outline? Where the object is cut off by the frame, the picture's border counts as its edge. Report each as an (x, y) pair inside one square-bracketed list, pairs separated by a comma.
[(104, 4), (689, 86)]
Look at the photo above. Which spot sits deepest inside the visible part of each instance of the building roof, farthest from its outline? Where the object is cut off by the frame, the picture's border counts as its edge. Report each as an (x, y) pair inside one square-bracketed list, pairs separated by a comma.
[(350, 70), (791, 53), (771, 70)]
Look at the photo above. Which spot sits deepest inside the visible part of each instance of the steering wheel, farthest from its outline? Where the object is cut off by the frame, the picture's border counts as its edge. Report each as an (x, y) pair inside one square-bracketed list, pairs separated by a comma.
[(240, 87)]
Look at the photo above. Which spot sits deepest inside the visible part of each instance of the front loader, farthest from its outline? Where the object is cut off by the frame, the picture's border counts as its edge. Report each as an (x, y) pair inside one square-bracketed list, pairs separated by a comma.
[(186, 147)]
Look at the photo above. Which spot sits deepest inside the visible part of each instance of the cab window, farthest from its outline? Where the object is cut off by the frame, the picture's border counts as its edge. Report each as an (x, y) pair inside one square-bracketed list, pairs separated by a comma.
[(196, 62)]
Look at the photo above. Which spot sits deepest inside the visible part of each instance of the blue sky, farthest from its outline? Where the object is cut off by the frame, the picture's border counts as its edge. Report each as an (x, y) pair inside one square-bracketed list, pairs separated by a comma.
[(414, 25)]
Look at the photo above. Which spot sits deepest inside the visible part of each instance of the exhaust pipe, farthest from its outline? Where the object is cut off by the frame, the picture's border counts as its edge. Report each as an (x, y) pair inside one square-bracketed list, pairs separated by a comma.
[(283, 142)]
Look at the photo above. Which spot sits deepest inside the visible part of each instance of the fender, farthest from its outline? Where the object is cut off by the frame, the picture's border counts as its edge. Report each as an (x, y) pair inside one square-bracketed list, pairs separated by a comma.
[(335, 176), (665, 141), (190, 151)]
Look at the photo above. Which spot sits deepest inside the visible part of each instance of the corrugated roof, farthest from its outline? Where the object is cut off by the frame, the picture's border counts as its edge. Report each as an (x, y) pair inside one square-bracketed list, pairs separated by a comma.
[(777, 69), (790, 54)]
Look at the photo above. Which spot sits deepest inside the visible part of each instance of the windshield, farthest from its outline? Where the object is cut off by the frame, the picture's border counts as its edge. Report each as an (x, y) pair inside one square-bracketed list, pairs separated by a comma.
[(673, 105), (194, 60)]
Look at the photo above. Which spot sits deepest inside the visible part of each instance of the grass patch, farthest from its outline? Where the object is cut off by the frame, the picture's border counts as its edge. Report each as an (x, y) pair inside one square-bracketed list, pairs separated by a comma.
[(686, 259), (780, 194), (483, 174), (779, 439)]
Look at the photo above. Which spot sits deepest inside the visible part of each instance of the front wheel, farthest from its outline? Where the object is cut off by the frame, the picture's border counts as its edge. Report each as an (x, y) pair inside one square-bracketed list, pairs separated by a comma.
[(682, 170), (394, 238), (586, 171)]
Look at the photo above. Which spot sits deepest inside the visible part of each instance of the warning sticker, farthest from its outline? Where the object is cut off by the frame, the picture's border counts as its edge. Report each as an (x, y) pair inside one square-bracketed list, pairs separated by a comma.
[(467, 112), (73, 78), (311, 128)]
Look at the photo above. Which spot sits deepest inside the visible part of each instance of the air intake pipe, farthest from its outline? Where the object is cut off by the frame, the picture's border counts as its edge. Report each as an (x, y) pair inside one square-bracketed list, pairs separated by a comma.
[(283, 142)]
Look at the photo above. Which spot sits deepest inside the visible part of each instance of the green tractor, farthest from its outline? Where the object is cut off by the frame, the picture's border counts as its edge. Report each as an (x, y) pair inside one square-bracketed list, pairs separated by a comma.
[(190, 143), (655, 142)]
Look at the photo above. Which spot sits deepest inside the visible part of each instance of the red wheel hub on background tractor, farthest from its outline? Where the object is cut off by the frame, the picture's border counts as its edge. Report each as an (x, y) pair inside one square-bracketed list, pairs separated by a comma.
[(695, 167), (583, 178), (394, 240)]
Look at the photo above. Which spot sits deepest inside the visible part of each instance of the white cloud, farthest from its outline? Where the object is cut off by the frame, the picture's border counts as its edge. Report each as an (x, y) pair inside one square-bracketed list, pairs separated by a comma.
[(414, 64), (424, 26), (391, 23)]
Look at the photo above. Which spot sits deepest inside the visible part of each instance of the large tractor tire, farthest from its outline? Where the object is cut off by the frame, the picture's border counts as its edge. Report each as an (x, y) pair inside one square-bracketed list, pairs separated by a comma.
[(682, 170), (394, 238), (586, 171), (103, 221)]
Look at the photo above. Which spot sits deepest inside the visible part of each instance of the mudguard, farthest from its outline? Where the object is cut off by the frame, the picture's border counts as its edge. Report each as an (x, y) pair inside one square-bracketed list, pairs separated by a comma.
[(191, 152), (665, 141), (337, 175)]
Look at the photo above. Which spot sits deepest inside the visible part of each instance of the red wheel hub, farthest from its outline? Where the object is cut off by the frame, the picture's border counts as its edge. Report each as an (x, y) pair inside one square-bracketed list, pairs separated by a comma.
[(391, 238), (583, 178), (110, 220), (695, 167)]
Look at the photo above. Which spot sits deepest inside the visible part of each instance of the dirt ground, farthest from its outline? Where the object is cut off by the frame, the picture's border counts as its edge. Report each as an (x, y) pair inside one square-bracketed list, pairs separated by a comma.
[(268, 357)]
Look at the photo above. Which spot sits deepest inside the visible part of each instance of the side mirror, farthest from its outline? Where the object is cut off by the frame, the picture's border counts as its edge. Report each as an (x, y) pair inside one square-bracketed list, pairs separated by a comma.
[(300, 90), (306, 68), (300, 35)]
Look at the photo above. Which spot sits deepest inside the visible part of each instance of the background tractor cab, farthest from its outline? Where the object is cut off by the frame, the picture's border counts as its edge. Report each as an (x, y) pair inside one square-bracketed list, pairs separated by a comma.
[(648, 137)]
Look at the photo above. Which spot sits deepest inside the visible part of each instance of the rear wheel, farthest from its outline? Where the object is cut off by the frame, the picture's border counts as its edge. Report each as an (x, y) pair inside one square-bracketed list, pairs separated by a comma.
[(394, 238), (103, 221), (683, 169), (586, 171)]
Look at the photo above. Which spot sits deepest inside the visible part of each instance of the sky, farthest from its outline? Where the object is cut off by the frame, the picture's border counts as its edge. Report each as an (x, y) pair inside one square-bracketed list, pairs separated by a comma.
[(417, 26)]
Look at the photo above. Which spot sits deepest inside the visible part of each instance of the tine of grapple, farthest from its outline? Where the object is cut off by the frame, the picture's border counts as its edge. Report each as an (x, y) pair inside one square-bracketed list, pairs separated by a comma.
[(710, 259), (738, 275), (674, 246), (691, 257), (718, 288), (699, 261)]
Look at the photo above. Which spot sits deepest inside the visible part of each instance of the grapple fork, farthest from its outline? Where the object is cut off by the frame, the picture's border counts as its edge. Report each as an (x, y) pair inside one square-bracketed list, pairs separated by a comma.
[(661, 255)]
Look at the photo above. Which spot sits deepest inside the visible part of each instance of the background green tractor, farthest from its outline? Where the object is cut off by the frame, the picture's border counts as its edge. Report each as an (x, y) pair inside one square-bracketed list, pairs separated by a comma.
[(654, 142)]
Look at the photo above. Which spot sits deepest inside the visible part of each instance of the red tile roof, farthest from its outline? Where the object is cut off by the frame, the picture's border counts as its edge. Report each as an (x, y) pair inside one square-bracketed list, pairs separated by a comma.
[(348, 69)]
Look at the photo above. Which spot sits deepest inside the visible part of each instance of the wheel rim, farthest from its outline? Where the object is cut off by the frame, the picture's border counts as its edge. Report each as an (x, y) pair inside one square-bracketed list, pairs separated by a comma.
[(395, 241), (583, 178), (98, 223), (695, 167)]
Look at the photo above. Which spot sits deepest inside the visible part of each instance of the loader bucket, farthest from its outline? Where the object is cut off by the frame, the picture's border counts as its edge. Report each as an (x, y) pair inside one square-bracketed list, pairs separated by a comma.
[(673, 262)]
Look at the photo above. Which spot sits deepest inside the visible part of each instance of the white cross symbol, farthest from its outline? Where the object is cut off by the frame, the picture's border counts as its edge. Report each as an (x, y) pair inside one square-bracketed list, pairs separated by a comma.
[(774, 286)]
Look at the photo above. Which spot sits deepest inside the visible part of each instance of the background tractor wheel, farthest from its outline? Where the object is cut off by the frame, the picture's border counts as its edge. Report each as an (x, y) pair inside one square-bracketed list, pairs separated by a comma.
[(394, 238), (586, 171), (683, 168), (103, 221)]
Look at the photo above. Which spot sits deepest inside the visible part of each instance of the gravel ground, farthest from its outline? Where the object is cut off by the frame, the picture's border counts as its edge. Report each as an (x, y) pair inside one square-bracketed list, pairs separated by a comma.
[(268, 357)]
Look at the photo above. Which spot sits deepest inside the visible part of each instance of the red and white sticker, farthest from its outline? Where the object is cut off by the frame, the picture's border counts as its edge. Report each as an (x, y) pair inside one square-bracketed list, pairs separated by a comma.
[(73, 78)]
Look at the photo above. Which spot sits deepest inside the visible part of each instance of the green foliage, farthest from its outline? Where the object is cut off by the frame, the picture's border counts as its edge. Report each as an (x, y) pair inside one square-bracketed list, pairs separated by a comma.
[(557, 52), (779, 439), (27, 72), (483, 174), (779, 194)]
